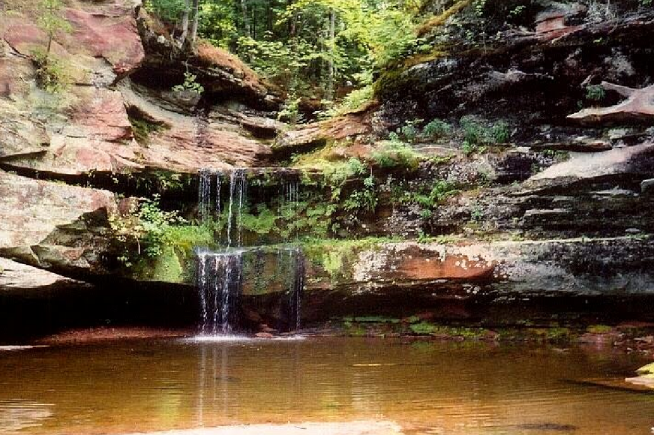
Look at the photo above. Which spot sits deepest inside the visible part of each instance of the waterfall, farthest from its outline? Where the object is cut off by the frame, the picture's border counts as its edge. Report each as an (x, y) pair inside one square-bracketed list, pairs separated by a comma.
[(205, 198), (220, 280), (204, 193), (220, 273), (237, 187), (296, 285)]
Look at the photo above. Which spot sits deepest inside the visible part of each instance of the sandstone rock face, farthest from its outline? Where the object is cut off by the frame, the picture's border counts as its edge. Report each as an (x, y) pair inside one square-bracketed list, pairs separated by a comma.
[(524, 268), (86, 129), (186, 143), (535, 74), (53, 226), (20, 278)]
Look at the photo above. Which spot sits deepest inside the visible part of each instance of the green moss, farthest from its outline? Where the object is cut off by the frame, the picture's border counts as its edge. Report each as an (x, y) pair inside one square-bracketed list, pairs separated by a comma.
[(262, 223), (335, 256), (391, 82), (142, 128), (396, 154), (599, 329), (376, 319), (332, 262), (422, 328), (167, 267)]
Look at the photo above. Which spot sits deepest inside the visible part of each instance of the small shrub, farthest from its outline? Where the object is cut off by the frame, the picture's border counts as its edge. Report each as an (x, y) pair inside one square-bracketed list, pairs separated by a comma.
[(291, 111), (595, 93), (476, 135), (190, 84), (436, 129), (353, 101), (395, 153), (51, 74), (147, 226), (500, 132)]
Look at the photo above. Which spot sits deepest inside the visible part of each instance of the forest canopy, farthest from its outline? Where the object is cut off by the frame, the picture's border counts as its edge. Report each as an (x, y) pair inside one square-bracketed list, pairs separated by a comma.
[(322, 48)]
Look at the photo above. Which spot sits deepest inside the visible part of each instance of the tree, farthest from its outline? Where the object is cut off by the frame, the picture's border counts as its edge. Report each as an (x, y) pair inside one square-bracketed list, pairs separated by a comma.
[(52, 22)]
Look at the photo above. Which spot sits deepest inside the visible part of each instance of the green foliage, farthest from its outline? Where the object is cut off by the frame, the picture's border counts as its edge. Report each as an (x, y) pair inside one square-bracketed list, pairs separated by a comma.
[(142, 129), (353, 101), (518, 10), (599, 329), (364, 199), (51, 21), (51, 74), (261, 223), (436, 129), (190, 84), (146, 226), (337, 174), (169, 10), (291, 110), (595, 93), (476, 136), (395, 153), (422, 328), (298, 46)]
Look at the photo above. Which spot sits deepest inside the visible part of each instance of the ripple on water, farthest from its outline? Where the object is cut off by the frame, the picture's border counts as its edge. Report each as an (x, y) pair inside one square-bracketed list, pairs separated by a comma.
[(238, 338)]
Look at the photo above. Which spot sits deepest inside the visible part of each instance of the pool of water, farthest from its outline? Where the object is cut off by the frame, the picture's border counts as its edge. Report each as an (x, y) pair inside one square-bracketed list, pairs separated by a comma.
[(425, 387)]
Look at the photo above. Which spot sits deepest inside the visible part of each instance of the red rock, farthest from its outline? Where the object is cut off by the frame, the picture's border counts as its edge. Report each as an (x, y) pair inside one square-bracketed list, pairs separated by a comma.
[(111, 34)]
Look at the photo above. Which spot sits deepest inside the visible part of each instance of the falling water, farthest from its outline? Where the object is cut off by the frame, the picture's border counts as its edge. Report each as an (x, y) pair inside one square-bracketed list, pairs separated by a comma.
[(297, 285), (237, 187), (220, 274), (204, 193), (289, 200), (220, 278), (205, 197)]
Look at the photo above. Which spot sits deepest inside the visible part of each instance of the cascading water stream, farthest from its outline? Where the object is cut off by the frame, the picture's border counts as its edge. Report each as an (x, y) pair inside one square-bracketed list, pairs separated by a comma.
[(220, 274), (237, 187), (219, 285)]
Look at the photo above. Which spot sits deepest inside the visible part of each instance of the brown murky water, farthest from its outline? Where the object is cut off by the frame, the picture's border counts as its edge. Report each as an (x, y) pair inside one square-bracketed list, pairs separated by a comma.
[(427, 388)]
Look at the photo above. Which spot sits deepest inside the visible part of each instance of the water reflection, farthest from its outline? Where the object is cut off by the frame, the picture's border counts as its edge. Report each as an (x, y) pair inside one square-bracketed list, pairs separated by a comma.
[(18, 415), (428, 388)]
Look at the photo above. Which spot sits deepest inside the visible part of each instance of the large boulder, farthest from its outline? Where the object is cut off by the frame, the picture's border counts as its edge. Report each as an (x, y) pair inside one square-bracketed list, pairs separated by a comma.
[(17, 277), (54, 226)]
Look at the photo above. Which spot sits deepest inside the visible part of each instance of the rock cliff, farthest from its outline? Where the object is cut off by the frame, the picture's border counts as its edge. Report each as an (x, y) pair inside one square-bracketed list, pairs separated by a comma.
[(556, 205)]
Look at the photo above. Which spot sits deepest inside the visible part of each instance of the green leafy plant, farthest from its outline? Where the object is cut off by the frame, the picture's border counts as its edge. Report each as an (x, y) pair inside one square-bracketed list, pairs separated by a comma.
[(395, 153), (51, 74), (51, 21), (353, 101), (436, 128), (291, 111), (595, 93), (146, 226), (190, 84), (518, 10), (476, 135)]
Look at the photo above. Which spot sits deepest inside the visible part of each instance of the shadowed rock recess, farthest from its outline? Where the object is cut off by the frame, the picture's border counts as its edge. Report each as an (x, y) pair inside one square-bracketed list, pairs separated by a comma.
[(531, 202)]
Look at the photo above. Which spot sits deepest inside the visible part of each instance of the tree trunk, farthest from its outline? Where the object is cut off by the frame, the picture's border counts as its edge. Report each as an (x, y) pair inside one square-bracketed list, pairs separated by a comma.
[(332, 48), (246, 18), (47, 51), (185, 19), (196, 20)]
